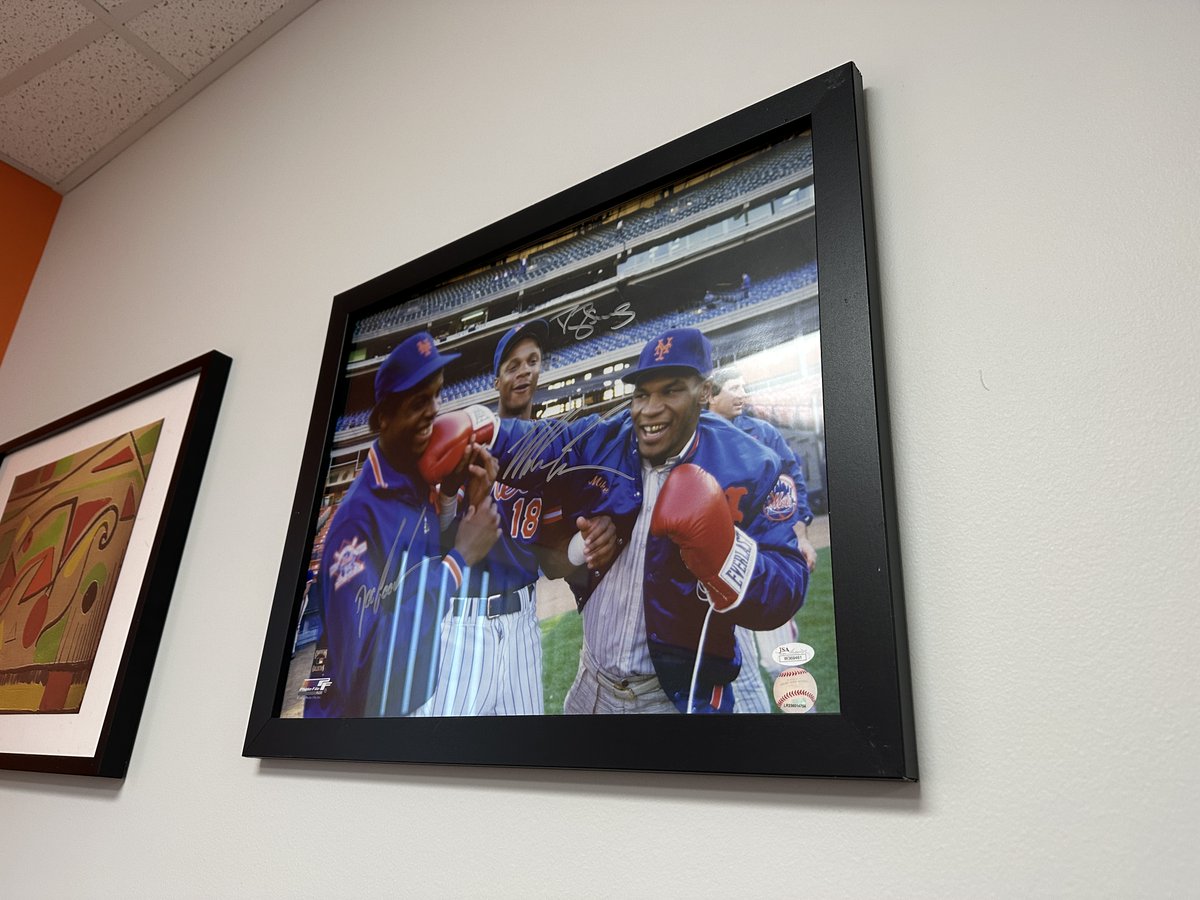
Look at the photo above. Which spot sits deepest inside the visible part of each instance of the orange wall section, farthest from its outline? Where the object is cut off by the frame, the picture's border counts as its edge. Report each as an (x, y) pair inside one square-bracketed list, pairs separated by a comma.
[(27, 211)]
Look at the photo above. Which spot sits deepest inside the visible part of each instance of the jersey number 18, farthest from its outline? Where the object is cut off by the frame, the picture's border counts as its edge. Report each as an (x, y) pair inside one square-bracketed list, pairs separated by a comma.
[(525, 526)]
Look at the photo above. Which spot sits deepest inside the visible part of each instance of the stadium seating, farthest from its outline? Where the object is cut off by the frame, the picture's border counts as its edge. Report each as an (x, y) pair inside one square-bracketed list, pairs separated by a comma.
[(779, 162), (632, 336)]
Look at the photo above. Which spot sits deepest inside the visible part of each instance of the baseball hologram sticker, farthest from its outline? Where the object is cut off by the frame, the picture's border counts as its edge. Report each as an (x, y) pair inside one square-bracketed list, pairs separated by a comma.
[(795, 691)]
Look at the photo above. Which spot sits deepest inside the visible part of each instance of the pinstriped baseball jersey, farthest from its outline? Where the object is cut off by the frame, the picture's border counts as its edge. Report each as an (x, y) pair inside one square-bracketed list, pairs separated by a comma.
[(493, 666), (614, 619), (490, 666), (748, 687)]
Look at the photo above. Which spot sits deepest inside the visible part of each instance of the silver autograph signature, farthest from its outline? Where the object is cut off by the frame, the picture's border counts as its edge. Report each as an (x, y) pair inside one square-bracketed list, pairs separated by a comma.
[(581, 320), (529, 449)]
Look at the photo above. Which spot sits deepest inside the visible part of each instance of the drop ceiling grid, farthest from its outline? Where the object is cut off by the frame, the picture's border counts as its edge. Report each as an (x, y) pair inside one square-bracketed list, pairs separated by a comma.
[(81, 80), (30, 29), (63, 116)]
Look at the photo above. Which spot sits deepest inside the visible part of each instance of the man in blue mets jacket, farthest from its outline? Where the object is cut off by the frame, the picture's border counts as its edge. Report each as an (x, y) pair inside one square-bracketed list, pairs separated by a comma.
[(728, 400), (706, 525), (384, 581)]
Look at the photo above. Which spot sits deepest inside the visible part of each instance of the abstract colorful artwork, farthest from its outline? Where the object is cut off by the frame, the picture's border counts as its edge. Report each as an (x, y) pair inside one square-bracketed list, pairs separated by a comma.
[(63, 536)]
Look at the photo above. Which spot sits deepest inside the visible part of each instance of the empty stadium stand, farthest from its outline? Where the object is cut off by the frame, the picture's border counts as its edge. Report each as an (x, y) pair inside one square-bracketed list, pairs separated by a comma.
[(630, 338), (781, 162)]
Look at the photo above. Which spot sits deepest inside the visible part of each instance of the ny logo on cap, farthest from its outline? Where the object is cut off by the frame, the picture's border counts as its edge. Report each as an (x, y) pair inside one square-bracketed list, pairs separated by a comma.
[(663, 348), (425, 346)]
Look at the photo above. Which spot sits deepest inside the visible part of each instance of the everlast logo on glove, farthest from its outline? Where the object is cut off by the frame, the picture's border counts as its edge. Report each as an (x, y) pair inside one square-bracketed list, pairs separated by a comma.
[(738, 567), (483, 421)]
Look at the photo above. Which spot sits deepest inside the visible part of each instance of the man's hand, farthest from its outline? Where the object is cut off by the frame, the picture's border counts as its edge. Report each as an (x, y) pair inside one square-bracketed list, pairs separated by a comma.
[(809, 552), (562, 553), (481, 475), (477, 473), (691, 511), (453, 480), (600, 544), (478, 532)]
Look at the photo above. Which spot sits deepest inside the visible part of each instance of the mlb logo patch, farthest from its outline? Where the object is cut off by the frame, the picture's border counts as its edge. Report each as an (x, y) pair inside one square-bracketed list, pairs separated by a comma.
[(781, 502), (347, 561)]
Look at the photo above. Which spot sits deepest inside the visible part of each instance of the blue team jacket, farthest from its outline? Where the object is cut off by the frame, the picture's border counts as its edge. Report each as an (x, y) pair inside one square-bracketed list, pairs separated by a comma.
[(384, 587), (511, 563), (766, 433), (591, 466)]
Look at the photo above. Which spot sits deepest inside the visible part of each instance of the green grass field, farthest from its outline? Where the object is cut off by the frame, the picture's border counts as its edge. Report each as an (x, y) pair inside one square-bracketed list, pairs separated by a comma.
[(562, 636)]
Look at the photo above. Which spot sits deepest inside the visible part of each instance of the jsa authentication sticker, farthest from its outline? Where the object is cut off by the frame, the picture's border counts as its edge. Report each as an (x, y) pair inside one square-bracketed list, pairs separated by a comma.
[(792, 654)]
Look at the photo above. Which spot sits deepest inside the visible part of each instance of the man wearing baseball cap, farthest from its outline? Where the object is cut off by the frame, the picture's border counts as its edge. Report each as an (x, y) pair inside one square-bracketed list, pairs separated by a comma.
[(706, 544), (384, 580), (491, 641)]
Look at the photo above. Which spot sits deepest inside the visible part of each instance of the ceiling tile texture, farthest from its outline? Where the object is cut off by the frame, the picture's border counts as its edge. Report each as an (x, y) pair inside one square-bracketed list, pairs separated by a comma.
[(81, 80), (59, 119), (190, 34), (30, 29)]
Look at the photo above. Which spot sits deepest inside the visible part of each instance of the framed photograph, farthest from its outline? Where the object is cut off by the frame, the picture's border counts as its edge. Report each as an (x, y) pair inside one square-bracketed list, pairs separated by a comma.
[(96, 507), (625, 451)]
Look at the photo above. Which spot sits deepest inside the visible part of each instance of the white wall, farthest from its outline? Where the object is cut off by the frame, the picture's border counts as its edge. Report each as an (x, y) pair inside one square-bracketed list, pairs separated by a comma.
[(1036, 176)]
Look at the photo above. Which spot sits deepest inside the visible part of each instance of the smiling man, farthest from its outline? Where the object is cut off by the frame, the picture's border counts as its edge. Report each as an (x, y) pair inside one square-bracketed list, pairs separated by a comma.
[(491, 642), (383, 579), (706, 543), (517, 365)]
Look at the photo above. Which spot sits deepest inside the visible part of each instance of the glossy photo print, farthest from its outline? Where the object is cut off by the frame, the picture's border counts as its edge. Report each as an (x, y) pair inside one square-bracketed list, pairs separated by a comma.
[(605, 484), (678, 330)]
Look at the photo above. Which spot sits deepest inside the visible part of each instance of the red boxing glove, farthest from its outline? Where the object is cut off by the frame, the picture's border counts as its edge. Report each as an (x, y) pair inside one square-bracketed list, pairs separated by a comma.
[(691, 511), (452, 432)]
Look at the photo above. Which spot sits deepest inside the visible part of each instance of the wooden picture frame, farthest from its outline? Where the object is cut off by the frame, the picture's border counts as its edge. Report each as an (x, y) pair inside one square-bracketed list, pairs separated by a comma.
[(96, 508), (771, 209)]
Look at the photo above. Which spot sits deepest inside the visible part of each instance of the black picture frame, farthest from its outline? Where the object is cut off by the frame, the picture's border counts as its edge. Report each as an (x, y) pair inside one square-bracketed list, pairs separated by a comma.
[(186, 399), (872, 735)]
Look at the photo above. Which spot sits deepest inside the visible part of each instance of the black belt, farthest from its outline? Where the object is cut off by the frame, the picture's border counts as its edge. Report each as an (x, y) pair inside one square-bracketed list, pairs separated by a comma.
[(493, 607)]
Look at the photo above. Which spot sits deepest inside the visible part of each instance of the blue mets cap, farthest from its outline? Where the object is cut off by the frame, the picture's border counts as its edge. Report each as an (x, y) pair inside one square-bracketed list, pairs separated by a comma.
[(679, 348), (414, 360), (538, 329)]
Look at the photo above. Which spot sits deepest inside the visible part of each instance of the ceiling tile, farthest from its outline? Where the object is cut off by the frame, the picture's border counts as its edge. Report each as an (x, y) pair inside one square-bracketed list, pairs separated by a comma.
[(30, 28), (190, 34), (57, 120)]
